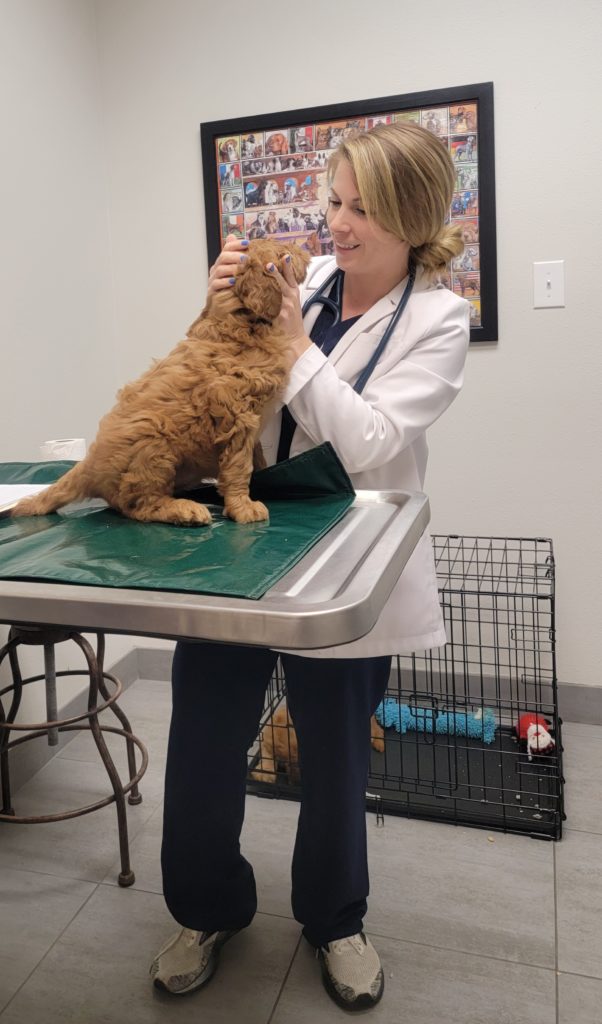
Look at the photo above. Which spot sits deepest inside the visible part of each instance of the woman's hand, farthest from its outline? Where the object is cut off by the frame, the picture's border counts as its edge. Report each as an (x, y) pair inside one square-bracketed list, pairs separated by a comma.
[(227, 264), (290, 318)]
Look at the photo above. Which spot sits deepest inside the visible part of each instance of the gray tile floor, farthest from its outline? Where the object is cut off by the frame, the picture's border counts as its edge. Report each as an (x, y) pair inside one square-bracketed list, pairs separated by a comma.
[(472, 927)]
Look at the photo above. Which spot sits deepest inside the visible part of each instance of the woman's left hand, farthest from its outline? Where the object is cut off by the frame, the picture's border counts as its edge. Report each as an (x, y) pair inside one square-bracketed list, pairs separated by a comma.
[(290, 318)]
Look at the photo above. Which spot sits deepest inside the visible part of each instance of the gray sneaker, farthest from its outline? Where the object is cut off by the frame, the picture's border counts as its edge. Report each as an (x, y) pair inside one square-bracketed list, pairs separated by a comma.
[(351, 972), (188, 960)]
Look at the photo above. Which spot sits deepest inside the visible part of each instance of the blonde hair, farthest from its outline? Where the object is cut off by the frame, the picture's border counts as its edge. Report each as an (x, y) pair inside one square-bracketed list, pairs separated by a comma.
[(405, 178)]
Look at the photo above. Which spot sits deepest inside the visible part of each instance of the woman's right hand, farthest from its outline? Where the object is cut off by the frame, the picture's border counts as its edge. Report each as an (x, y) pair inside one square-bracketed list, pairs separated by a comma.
[(227, 264)]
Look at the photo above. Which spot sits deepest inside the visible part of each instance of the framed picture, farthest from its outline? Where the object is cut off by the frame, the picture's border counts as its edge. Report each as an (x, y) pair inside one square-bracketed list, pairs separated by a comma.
[(266, 175)]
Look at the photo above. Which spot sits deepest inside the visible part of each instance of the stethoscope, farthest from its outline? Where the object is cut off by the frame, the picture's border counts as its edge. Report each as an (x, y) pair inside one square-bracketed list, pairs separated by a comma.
[(330, 294)]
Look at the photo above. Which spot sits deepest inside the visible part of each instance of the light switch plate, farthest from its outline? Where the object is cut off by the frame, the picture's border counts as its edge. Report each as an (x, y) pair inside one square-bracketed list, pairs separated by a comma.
[(548, 284)]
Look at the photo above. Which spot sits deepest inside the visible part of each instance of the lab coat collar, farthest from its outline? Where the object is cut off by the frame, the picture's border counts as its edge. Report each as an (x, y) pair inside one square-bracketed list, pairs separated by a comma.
[(382, 309)]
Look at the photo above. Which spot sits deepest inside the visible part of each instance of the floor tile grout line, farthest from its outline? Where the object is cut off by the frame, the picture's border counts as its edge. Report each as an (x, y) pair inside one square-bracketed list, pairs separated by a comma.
[(574, 974), (284, 980), (133, 834), (580, 832), (556, 864), (284, 917), (50, 948), (376, 934), (461, 952), (50, 874)]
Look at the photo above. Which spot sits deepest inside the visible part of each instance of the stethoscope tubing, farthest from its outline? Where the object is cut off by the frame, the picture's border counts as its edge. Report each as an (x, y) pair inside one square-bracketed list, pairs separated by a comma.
[(333, 302)]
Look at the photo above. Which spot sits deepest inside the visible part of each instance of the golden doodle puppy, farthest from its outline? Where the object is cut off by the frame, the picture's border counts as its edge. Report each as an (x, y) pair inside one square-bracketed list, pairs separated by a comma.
[(278, 746), (197, 413)]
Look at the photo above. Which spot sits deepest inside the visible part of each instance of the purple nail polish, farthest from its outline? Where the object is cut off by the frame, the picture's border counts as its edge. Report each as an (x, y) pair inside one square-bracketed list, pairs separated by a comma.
[(231, 280)]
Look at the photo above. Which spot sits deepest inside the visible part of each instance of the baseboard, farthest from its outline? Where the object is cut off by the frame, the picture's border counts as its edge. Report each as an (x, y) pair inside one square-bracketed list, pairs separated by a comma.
[(154, 662), (577, 703)]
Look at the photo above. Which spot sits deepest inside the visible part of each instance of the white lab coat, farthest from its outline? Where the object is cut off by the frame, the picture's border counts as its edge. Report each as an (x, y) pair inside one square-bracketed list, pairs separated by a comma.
[(380, 435)]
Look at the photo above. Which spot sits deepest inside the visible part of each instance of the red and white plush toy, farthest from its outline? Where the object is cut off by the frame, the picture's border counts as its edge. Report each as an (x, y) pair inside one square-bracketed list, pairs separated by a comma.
[(534, 730)]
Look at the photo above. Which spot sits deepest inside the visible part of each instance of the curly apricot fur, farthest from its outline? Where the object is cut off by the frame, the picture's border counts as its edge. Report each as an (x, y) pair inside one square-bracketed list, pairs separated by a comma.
[(196, 413)]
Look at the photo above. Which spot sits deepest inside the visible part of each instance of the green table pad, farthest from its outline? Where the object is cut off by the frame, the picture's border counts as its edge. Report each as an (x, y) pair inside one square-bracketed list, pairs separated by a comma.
[(306, 496)]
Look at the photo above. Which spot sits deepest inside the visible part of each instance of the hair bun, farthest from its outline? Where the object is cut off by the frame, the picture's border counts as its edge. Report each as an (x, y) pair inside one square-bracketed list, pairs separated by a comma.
[(434, 256)]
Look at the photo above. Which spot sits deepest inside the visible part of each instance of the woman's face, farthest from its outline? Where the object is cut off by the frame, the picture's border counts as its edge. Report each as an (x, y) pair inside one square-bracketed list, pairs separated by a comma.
[(361, 246)]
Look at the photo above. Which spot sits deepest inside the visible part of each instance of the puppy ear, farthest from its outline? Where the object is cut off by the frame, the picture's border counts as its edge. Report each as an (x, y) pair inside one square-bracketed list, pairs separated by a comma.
[(257, 290), (300, 260)]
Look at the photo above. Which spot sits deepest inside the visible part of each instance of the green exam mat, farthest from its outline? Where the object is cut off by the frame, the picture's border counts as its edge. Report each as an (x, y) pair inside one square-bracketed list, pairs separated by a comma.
[(305, 495)]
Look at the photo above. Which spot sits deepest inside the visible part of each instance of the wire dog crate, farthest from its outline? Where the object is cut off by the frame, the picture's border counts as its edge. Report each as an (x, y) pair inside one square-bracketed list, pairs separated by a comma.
[(452, 748)]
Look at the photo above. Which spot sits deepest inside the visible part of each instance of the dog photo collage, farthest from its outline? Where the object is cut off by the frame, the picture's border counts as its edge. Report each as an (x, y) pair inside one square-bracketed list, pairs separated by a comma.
[(274, 183)]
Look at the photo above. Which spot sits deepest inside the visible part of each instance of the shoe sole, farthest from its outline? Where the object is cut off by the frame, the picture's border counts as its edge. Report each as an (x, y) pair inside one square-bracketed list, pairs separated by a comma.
[(205, 975), (363, 1002)]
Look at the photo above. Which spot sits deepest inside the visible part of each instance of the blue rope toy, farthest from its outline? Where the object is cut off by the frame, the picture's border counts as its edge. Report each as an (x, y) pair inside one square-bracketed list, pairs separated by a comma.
[(480, 725)]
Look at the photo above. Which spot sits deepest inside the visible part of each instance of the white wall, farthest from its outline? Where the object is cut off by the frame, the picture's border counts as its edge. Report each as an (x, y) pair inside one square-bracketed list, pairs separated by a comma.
[(57, 328), (519, 452), (56, 315)]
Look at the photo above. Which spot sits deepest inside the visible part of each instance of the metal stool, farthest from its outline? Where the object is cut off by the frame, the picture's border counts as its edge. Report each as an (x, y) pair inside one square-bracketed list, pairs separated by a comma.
[(48, 636)]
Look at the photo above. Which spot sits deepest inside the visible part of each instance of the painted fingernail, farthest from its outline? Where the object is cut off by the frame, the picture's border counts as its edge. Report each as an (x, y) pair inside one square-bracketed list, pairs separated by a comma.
[(243, 257), (231, 280), (271, 267), (245, 241), (287, 259)]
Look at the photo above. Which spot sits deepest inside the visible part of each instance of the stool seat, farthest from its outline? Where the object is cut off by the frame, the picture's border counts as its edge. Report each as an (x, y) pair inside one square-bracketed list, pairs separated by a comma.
[(47, 637)]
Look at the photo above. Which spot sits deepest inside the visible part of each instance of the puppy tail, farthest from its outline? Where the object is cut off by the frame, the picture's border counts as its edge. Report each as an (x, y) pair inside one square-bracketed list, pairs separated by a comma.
[(71, 487)]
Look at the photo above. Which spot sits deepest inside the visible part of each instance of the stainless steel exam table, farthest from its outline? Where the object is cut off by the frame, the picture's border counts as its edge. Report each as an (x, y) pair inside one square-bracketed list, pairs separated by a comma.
[(333, 595)]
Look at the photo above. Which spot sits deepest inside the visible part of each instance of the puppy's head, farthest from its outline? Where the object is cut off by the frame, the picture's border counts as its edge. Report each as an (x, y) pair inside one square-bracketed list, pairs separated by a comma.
[(255, 287)]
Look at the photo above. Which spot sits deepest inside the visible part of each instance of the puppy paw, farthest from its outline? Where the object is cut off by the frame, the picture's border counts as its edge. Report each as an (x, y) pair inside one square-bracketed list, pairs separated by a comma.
[(260, 776), (265, 770), (25, 507), (191, 513), (175, 511), (243, 510)]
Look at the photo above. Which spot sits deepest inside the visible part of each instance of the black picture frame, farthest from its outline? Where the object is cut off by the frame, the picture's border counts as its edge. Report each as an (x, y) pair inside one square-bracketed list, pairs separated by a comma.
[(462, 116)]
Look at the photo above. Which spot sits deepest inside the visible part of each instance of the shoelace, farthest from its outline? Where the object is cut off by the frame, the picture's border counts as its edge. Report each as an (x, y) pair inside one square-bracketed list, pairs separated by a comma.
[(339, 946), (192, 938)]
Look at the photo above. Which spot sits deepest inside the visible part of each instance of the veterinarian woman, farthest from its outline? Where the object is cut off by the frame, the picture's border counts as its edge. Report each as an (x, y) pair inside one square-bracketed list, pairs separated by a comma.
[(389, 193)]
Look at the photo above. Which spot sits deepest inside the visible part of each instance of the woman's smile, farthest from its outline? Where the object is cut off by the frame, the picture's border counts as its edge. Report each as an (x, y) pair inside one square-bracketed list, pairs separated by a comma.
[(346, 246), (381, 257)]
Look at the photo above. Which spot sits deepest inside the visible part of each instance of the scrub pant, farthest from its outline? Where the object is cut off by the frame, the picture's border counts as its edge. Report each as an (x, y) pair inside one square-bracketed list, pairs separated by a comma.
[(218, 698)]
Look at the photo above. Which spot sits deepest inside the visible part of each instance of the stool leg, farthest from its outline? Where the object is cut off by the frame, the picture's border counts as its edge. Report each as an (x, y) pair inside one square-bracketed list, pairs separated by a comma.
[(15, 669), (134, 796), (6, 807), (9, 648), (51, 705), (126, 876)]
